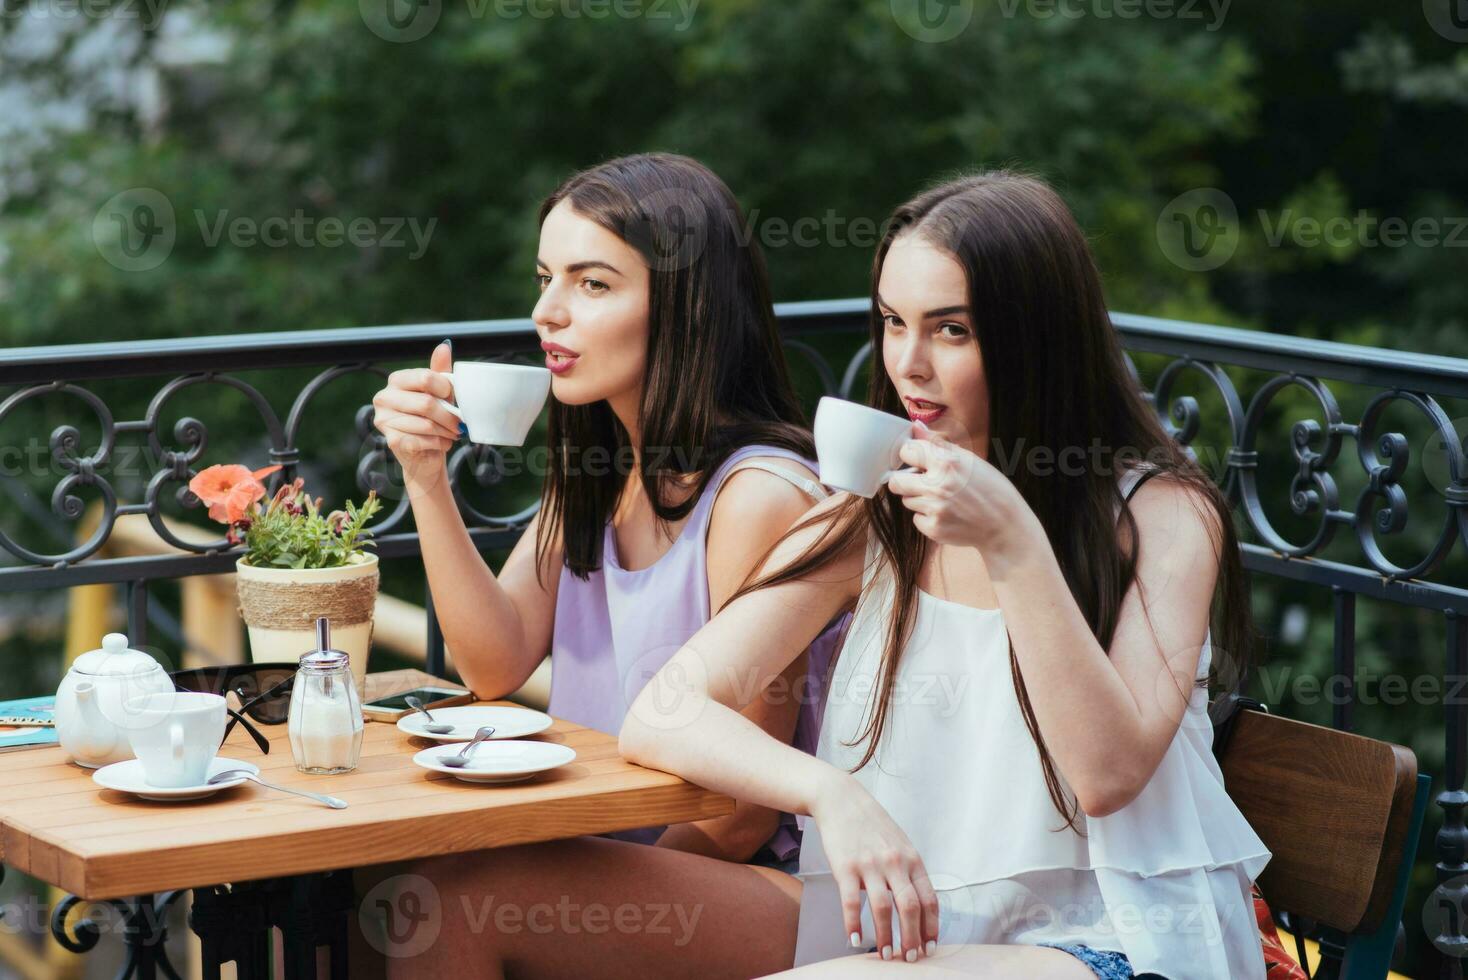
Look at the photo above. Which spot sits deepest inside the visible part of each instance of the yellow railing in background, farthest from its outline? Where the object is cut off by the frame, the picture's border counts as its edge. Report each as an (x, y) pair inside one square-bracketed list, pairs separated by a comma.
[(209, 601), (208, 610)]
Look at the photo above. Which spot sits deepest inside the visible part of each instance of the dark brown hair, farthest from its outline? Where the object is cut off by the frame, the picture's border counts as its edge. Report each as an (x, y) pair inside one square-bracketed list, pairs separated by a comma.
[(715, 379), (1057, 378)]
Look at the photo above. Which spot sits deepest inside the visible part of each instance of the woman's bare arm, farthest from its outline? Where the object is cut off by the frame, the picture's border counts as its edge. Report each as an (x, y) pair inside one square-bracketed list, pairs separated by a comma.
[(753, 509), (1109, 715), (689, 718), (499, 629)]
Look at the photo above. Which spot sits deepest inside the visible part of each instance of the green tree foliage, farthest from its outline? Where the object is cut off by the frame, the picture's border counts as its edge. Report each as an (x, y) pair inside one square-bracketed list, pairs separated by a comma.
[(1317, 123)]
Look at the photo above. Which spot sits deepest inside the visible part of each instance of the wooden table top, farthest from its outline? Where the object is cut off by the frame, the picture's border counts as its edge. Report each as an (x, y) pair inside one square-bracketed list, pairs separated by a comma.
[(59, 826)]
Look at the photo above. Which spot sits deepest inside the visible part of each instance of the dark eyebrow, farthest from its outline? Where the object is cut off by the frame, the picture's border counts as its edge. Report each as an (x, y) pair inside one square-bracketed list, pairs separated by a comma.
[(945, 311), (583, 266), (941, 311)]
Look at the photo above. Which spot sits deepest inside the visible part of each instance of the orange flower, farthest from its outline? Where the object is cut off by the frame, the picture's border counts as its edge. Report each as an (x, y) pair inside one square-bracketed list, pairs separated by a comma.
[(230, 491)]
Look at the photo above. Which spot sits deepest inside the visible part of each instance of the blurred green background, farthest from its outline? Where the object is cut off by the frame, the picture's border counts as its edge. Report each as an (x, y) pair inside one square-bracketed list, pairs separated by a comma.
[(451, 119)]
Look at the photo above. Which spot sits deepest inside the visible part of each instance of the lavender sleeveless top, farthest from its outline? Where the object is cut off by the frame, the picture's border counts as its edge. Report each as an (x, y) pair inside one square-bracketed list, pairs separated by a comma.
[(615, 629)]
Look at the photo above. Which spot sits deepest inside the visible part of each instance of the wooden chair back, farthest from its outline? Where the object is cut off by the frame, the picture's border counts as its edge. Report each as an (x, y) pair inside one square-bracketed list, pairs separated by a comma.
[(1334, 809)]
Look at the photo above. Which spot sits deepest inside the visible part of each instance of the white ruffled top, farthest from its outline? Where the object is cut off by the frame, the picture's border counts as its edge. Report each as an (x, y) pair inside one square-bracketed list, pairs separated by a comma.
[(1164, 880)]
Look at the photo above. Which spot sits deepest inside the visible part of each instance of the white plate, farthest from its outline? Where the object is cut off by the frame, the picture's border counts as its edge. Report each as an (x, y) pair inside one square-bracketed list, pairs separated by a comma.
[(499, 762), (128, 777), (469, 718)]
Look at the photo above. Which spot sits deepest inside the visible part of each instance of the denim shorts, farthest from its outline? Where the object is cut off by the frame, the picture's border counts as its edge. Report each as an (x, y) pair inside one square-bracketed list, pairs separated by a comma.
[(766, 858), (1104, 963)]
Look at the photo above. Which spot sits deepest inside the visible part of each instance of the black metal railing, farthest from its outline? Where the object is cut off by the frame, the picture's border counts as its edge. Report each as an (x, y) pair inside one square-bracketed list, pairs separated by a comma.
[(1392, 380), (1178, 358)]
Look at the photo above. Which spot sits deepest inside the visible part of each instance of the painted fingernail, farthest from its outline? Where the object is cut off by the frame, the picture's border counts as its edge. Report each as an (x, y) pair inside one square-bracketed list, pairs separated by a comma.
[(463, 429), (931, 947), (911, 956), (886, 952), (450, 342), (856, 940)]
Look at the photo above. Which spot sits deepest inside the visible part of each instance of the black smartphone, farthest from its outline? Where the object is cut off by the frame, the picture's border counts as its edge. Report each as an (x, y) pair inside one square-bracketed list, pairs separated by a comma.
[(394, 706)]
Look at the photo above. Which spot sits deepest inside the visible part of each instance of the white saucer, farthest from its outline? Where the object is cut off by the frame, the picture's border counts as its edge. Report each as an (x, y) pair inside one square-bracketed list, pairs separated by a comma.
[(128, 777), (499, 762), (469, 718)]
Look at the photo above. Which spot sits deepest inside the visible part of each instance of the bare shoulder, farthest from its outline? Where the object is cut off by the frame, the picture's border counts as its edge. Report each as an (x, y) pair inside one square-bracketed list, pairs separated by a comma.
[(745, 474), (1178, 520), (838, 522), (774, 524), (755, 499)]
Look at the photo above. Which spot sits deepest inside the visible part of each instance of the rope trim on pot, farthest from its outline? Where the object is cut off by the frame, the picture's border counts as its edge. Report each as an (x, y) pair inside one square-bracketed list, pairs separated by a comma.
[(295, 605)]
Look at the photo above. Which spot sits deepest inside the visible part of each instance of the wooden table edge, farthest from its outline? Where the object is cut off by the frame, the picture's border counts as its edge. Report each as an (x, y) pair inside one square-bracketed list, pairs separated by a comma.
[(100, 875)]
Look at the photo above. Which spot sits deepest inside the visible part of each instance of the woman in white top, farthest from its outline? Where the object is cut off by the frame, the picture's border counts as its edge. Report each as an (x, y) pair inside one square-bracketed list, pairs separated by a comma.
[(1014, 775)]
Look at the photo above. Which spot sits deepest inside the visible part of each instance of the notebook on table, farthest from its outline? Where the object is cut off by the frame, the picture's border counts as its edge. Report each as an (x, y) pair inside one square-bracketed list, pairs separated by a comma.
[(15, 734)]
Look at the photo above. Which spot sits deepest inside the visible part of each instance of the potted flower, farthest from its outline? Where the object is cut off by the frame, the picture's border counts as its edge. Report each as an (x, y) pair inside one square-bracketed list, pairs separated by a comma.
[(298, 564)]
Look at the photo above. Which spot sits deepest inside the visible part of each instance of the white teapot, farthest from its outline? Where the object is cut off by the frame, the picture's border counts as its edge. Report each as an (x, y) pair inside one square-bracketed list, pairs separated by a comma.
[(91, 717)]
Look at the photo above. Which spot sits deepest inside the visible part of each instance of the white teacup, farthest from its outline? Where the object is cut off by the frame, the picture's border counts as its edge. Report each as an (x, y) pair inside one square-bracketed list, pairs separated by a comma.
[(857, 446), (175, 735), (497, 402)]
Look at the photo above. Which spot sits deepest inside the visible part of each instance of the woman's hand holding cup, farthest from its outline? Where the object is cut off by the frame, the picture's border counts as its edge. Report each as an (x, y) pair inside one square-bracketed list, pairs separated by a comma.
[(419, 430), (961, 499)]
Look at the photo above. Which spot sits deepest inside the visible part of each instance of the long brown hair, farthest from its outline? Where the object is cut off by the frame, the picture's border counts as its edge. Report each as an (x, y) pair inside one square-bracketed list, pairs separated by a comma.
[(1057, 378), (715, 378)]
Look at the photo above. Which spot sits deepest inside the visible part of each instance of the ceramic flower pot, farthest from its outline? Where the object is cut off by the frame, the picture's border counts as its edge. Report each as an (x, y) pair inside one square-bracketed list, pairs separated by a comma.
[(280, 606)]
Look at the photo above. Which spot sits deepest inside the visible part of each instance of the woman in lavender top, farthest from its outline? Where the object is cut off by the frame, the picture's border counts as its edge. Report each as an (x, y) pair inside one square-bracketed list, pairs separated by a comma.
[(679, 457)]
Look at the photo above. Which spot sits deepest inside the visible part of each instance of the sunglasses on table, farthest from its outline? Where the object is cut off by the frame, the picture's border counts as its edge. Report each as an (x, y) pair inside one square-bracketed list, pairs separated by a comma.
[(264, 691)]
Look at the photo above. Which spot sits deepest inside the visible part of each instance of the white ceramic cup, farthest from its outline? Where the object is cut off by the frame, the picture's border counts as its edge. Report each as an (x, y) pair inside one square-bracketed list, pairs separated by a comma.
[(175, 735), (857, 446), (497, 402)]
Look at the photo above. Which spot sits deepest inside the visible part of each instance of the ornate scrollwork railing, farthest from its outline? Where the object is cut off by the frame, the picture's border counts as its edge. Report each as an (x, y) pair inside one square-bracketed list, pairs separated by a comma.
[(1327, 449)]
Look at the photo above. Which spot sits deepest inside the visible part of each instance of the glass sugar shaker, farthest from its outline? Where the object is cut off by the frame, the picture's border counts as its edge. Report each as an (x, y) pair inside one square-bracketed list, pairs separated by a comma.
[(325, 724)]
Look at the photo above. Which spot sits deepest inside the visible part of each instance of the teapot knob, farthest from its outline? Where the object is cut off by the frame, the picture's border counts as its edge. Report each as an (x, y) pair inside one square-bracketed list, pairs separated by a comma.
[(114, 642)]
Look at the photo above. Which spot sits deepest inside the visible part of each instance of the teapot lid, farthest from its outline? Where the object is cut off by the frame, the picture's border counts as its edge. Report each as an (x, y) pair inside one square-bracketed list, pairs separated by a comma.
[(115, 659)]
